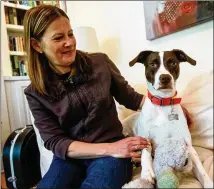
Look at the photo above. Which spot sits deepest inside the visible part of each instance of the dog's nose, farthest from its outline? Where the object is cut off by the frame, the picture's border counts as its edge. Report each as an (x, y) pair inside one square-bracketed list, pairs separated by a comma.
[(165, 78)]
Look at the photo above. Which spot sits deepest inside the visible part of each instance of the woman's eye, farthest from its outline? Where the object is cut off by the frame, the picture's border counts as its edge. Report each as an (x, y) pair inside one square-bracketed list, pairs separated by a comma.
[(58, 38), (70, 35)]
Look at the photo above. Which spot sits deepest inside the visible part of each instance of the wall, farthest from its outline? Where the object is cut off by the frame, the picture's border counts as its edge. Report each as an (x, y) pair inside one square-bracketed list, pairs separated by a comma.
[(121, 33), (4, 124)]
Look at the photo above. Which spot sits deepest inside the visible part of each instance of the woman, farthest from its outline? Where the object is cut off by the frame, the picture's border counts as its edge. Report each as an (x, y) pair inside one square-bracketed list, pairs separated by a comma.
[(71, 98)]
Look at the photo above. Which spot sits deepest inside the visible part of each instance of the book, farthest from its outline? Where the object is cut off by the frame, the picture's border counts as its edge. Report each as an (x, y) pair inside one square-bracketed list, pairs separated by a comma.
[(6, 15), (14, 44), (10, 13), (31, 3), (10, 41), (15, 16), (14, 2), (22, 68), (15, 66), (16, 62)]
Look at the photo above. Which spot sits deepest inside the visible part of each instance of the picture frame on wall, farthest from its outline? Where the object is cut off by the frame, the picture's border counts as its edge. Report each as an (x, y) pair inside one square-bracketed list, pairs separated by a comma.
[(169, 16)]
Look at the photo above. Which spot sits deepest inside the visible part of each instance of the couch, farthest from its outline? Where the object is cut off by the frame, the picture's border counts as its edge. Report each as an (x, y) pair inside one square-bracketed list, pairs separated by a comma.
[(197, 96)]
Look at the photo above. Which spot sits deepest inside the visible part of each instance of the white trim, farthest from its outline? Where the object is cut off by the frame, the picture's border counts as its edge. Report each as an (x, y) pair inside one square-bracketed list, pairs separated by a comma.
[(16, 78), (17, 53), (15, 28)]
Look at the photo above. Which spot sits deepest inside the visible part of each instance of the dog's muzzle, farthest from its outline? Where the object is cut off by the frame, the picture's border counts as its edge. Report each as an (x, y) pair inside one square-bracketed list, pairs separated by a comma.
[(165, 81)]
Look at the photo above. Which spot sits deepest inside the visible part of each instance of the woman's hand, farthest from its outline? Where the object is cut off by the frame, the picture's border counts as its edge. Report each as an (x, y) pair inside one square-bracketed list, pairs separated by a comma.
[(128, 147), (189, 117)]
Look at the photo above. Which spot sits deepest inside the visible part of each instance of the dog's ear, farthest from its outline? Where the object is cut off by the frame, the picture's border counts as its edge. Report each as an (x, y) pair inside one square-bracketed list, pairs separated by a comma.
[(183, 57), (140, 58)]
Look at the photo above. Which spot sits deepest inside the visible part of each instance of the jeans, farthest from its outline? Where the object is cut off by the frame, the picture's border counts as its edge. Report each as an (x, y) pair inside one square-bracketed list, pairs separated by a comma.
[(105, 172)]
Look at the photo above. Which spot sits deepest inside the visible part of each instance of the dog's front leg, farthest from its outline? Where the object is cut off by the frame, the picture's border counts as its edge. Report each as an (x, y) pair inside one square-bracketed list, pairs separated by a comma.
[(199, 170), (147, 172)]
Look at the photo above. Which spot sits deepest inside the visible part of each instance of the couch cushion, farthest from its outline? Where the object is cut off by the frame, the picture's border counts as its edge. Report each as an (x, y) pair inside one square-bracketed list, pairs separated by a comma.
[(46, 156), (206, 157), (198, 99)]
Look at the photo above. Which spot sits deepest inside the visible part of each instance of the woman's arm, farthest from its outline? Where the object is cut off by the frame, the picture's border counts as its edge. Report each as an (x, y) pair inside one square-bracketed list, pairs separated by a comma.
[(56, 140), (120, 89), (127, 147)]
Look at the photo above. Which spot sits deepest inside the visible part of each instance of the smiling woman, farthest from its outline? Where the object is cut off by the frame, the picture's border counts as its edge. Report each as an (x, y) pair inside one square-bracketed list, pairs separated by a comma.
[(71, 97), (58, 44), (53, 44)]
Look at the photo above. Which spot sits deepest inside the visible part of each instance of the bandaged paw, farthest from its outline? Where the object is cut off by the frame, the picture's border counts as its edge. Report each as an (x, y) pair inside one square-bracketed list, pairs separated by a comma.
[(147, 172), (148, 175)]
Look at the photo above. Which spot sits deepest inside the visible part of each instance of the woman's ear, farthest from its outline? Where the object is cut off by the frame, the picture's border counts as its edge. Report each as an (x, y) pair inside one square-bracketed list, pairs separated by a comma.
[(36, 45)]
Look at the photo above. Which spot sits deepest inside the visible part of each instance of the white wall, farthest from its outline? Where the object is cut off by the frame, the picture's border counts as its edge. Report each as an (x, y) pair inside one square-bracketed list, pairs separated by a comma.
[(4, 121), (121, 33)]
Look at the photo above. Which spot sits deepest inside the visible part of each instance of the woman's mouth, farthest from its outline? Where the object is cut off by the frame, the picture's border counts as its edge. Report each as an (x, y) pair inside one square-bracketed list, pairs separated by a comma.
[(67, 52)]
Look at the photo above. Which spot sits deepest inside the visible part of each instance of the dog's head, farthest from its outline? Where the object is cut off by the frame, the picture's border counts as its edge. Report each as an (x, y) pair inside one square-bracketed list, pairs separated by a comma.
[(162, 69)]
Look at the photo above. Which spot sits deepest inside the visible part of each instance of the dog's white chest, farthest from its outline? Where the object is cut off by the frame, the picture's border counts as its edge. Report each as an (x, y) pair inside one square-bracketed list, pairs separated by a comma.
[(154, 123)]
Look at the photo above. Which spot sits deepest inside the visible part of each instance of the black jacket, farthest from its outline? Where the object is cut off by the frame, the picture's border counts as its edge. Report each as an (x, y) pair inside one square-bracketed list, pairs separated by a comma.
[(84, 109)]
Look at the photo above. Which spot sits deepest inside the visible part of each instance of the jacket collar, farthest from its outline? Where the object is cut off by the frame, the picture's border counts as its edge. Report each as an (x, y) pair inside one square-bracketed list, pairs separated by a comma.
[(56, 88)]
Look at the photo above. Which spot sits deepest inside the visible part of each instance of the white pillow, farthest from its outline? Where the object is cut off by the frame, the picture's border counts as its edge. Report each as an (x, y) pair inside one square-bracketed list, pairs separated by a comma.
[(46, 156), (197, 97)]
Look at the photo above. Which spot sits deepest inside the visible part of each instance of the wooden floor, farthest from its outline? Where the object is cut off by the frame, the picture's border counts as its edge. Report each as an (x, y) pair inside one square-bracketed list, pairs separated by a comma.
[(3, 183)]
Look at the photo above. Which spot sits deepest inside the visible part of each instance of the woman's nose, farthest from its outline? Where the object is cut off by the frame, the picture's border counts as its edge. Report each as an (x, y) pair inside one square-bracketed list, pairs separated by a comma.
[(69, 42)]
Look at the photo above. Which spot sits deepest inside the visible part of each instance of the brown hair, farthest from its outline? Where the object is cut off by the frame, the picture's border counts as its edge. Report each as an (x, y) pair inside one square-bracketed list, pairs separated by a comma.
[(36, 21)]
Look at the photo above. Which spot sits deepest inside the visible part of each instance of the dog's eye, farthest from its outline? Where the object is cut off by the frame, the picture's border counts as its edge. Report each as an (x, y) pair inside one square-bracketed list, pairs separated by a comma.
[(153, 64), (173, 63)]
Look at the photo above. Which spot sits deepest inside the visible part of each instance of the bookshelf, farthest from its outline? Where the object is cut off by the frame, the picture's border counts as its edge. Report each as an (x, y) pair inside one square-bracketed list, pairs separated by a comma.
[(17, 5), (14, 60), (14, 28)]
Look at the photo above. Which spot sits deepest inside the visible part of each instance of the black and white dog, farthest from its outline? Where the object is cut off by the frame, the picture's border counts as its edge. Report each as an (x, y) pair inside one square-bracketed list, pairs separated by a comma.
[(162, 116)]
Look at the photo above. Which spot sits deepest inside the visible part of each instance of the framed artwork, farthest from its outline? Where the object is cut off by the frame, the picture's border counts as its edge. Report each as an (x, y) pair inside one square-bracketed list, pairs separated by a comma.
[(165, 17)]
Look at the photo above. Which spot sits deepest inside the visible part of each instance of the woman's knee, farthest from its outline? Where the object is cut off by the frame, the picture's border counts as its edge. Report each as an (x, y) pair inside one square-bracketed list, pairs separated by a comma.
[(63, 174), (108, 172)]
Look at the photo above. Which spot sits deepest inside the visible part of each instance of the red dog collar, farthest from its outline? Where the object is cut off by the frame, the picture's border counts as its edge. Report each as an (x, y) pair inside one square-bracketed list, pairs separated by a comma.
[(164, 101)]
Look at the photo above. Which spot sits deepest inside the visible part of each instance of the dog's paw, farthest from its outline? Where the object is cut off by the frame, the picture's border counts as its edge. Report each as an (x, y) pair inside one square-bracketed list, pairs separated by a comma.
[(148, 175), (138, 183)]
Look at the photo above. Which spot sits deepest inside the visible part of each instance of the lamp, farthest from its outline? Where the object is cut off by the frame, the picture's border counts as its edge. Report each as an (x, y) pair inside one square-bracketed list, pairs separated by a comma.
[(86, 39)]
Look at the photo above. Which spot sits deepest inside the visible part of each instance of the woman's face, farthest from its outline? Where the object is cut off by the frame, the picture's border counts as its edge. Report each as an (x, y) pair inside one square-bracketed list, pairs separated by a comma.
[(59, 44)]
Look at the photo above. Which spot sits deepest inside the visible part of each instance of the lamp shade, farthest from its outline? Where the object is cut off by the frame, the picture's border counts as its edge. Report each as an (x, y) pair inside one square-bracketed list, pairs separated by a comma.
[(86, 39)]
